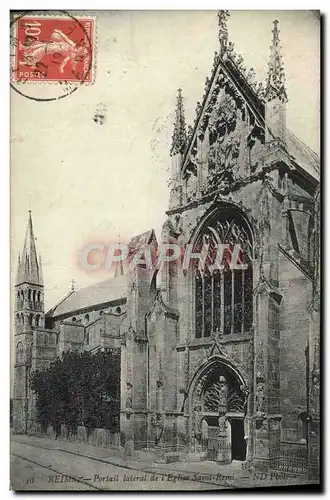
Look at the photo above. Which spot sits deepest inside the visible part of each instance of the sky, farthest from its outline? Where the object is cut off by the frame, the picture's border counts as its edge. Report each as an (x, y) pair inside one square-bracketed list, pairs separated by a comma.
[(88, 182)]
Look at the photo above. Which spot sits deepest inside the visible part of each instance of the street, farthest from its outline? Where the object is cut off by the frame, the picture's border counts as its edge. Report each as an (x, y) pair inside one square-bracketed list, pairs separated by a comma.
[(45, 464), (38, 467)]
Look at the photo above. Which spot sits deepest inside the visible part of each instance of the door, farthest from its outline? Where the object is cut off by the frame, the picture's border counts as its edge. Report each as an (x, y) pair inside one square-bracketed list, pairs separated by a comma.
[(238, 444)]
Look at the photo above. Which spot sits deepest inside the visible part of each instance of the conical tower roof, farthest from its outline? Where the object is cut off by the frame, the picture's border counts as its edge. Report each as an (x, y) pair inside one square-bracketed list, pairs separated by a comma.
[(29, 269)]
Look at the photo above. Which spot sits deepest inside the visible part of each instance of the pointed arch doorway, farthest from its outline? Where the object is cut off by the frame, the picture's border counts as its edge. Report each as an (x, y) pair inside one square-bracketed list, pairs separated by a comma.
[(217, 413)]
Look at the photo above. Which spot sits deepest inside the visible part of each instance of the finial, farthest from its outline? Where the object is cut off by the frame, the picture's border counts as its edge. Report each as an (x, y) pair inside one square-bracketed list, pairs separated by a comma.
[(275, 84), (223, 30), (119, 269), (179, 137), (275, 30), (30, 203), (73, 285)]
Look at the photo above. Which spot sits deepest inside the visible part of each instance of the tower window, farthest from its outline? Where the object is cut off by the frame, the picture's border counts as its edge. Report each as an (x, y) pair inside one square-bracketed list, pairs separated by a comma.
[(30, 319), (87, 318), (223, 297), (39, 297), (34, 295), (29, 295), (37, 320), (74, 319)]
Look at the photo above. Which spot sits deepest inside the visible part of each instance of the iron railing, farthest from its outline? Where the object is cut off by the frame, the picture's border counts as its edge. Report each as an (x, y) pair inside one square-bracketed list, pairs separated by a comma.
[(289, 461)]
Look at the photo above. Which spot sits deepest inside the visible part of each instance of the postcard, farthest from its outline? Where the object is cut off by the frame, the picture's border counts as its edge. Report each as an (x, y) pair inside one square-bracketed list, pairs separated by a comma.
[(165, 250)]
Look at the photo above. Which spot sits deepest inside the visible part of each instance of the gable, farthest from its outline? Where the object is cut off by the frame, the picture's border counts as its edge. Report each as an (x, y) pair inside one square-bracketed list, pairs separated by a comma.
[(230, 128), (228, 123)]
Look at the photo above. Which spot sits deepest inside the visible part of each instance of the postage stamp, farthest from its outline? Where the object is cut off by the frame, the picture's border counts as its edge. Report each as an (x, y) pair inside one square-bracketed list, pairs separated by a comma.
[(53, 49)]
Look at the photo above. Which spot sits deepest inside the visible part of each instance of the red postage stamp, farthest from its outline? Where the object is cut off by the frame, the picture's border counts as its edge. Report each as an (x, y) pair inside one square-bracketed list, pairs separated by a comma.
[(53, 49)]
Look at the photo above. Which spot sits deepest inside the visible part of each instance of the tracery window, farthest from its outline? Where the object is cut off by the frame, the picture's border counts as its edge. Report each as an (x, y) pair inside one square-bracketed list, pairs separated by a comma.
[(223, 297)]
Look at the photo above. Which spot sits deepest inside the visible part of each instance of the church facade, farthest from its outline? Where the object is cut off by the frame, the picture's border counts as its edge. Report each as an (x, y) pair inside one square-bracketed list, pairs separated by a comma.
[(223, 363)]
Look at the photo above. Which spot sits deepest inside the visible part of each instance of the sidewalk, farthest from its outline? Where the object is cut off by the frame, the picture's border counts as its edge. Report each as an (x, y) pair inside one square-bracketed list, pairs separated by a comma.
[(228, 476)]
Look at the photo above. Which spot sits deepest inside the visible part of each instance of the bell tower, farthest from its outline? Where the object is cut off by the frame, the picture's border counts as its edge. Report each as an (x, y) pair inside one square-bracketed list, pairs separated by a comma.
[(29, 315)]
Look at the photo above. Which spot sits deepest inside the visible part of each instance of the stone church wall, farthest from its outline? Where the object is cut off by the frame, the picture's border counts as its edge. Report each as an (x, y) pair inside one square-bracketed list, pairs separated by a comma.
[(294, 324)]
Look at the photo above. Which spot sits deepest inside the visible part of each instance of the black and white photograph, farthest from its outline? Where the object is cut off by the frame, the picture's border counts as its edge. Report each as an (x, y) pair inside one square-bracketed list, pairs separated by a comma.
[(165, 250)]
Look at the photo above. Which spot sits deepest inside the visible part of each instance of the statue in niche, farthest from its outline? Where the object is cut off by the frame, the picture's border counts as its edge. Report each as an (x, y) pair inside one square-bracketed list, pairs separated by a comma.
[(129, 395), (260, 395), (197, 422)]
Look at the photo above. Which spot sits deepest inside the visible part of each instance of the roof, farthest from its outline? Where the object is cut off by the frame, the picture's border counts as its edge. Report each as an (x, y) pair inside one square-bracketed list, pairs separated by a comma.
[(29, 270), (303, 154), (100, 293)]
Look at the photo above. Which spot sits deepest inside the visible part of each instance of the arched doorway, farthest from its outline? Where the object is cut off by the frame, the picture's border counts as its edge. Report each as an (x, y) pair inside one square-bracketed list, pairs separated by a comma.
[(217, 413)]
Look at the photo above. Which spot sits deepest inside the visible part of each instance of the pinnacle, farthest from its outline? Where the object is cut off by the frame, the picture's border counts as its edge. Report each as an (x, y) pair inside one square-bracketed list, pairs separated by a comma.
[(275, 82), (179, 136)]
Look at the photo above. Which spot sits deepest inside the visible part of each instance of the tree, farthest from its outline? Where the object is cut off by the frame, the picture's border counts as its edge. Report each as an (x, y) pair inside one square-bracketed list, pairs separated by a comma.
[(79, 389)]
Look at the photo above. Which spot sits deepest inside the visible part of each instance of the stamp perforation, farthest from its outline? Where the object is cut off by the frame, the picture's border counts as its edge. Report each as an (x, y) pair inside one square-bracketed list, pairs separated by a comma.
[(60, 16)]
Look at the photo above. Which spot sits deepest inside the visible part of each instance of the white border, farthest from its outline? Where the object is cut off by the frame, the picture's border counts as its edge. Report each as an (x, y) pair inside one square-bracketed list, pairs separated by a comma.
[(74, 5)]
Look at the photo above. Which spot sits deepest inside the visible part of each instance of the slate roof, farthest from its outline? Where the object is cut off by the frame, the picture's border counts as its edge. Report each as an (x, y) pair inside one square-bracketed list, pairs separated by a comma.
[(100, 293), (29, 270), (91, 296)]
